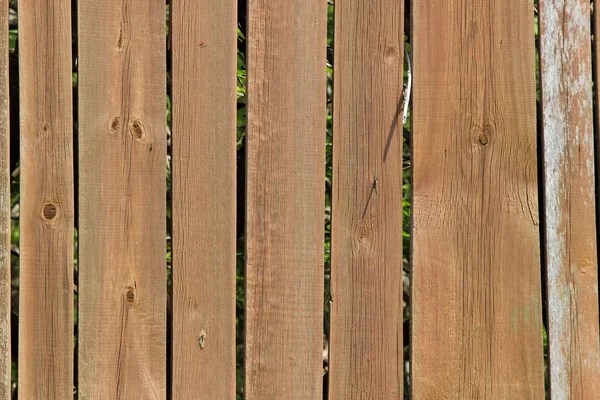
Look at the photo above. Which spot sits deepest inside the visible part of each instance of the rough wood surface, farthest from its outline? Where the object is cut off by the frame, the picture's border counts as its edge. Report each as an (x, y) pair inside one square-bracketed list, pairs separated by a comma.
[(204, 190), (285, 199), (366, 360), (476, 296), (122, 220), (570, 223), (5, 222), (46, 202)]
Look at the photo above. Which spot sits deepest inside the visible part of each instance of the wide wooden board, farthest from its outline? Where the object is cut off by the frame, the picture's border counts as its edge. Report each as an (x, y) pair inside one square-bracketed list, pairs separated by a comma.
[(285, 199), (46, 201), (366, 359), (204, 193), (569, 196), (122, 202), (476, 297)]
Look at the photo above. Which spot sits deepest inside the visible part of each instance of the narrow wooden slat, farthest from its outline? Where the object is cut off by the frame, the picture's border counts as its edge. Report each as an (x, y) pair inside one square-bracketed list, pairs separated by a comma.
[(366, 360), (46, 202), (5, 223), (285, 199), (568, 139), (476, 297), (204, 213), (122, 212)]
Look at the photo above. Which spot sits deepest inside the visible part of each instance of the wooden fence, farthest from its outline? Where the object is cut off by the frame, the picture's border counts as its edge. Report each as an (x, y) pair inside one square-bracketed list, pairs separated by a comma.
[(504, 223)]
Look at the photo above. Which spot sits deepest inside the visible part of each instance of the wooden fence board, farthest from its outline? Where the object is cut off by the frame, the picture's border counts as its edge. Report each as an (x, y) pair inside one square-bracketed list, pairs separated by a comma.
[(5, 222), (366, 358), (46, 202), (285, 199), (476, 297), (570, 224), (122, 221), (204, 192)]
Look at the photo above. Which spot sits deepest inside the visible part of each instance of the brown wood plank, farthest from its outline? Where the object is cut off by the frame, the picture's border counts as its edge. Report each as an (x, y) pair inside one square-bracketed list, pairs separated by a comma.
[(204, 191), (46, 202), (122, 220), (570, 228), (476, 297), (5, 223), (366, 360), (285, 199)]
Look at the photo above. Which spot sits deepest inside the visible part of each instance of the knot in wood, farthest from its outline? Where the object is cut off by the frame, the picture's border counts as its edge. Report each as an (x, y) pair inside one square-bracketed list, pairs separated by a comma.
[(115, 124), (486, 133), (483, 139), (391, 54), (130, 295), (136, 129), (49, 211)]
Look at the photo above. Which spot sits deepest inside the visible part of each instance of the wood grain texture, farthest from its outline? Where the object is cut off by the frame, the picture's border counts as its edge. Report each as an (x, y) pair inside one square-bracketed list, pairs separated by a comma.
[(122, 220), (285, 199), (5, 222), (204, 192), (476, 296), (571, 257), (366, 360), (46, 201)]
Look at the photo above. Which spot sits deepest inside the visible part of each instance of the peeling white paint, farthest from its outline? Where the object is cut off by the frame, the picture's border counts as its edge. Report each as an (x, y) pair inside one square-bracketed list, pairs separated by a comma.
[(567, 96)]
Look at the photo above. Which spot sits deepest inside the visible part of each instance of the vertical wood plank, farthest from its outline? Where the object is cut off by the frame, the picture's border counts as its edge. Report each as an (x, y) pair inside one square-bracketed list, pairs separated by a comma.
[(476, 299), (122, 220), (46, 202), (366, 358), (204, 192), (285, 199), (568, 139), (5, 223)]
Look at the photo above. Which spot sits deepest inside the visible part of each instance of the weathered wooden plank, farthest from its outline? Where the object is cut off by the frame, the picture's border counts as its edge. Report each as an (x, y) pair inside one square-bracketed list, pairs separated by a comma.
[(570, 224), (285, 199), (204, 192), (122, 220), (5, 223), (46, 202), (366, 359), (476, 304)]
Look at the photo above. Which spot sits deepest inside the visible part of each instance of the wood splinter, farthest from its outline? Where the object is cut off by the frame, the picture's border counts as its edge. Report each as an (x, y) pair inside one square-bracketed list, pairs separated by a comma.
[(202, 339)]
